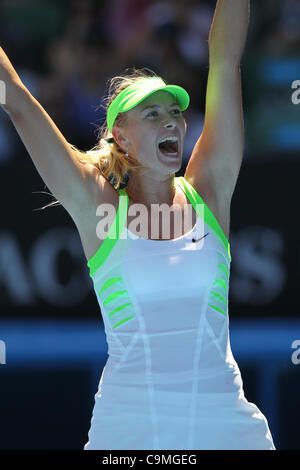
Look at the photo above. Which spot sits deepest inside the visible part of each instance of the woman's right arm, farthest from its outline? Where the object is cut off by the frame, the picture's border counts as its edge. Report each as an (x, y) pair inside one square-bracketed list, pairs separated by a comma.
[(72, 182)]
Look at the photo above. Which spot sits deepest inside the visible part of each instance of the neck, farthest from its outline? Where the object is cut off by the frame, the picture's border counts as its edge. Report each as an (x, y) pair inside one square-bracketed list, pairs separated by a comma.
[(147, 190)]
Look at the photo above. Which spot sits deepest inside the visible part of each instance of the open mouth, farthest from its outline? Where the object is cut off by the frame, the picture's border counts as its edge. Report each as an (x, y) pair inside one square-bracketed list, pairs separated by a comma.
[(169, 146)]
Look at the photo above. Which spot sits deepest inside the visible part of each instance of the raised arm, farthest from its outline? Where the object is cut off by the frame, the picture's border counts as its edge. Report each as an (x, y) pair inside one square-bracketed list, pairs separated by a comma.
[(217, 155), (71, 181)]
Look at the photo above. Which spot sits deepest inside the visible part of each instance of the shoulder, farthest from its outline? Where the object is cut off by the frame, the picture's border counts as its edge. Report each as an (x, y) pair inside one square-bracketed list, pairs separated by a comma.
[(95, 191), (98, 191), (203, 187), (213, 197)]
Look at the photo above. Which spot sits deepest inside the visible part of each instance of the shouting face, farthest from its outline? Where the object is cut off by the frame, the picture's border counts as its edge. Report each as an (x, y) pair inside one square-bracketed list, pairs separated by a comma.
[(154, 133)]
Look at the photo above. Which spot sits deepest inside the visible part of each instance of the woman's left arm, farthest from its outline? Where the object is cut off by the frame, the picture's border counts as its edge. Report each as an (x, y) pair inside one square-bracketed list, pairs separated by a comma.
[(218, 153)]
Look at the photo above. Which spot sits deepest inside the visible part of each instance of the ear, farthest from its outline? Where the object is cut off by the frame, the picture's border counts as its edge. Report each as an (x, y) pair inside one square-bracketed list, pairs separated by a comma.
[(119, 137)]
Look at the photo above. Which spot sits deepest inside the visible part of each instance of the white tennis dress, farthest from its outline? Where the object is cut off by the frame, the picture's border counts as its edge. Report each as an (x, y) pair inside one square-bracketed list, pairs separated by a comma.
[(170, 380)]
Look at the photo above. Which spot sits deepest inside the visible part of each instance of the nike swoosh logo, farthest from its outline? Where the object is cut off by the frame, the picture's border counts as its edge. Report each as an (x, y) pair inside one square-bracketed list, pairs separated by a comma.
[(196, 240)]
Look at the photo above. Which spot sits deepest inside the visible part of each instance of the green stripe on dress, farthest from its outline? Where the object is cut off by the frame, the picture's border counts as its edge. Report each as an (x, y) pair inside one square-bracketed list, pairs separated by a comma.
[(117, 309), (217, 308), (224, 269), (113, 296), (220, 296), (123, 321), (209, 217), (222, 282), (109, 283), (101, 255)]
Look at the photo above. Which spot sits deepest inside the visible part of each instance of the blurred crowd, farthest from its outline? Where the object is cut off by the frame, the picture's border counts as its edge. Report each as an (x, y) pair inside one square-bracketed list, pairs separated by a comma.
[(66, 50)]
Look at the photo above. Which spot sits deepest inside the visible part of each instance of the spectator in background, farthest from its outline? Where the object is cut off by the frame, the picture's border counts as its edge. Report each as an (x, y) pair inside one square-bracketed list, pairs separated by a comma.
[(25, 28), (84, 92), (273, 124), (127, 26), (28, 26), (65, 51), (168, 37)]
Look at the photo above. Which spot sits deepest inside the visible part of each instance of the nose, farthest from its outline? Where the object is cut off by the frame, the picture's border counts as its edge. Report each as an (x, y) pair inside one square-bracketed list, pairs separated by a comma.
[(170, 125)]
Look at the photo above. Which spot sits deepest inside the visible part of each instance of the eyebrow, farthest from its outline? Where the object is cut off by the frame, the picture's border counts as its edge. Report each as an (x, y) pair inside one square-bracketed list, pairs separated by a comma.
[(156, 106)]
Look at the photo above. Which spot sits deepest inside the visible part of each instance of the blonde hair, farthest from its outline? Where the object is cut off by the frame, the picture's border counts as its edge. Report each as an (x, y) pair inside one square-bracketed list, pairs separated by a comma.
[(106, 155)]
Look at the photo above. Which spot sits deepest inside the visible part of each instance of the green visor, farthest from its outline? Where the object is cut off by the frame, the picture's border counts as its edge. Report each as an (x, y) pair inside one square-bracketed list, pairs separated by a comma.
[(138, 91)]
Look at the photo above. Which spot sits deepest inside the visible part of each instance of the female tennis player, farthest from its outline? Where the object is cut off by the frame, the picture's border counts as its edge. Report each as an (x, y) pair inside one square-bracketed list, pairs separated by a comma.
[(170, 381)]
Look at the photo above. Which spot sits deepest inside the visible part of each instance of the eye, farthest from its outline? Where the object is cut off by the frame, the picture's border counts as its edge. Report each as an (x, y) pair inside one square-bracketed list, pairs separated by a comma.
[(178, 111), (151, 114)]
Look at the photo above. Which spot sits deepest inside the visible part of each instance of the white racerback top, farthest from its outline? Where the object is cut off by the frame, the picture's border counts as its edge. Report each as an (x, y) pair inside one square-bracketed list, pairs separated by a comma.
[(170, 380)]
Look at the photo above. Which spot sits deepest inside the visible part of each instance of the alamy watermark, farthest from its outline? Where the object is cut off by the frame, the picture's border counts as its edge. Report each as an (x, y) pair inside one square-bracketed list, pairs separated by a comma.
[(138, 226), (296, 354), (296, 95), (2, 352), (2, 92)]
